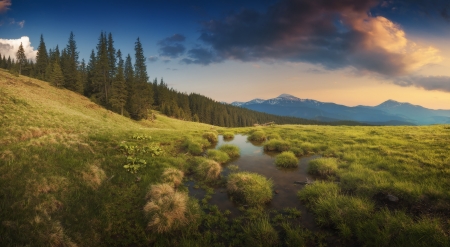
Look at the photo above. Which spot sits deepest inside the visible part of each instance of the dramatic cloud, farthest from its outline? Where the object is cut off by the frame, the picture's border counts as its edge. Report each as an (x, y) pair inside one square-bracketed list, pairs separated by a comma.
[(171, 46), (334, 34), (9, 47), (4, 5), (437, 83)]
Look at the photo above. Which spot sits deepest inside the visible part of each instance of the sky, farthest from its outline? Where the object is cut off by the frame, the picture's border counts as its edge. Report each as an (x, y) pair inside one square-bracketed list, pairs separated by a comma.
[(350, 52)]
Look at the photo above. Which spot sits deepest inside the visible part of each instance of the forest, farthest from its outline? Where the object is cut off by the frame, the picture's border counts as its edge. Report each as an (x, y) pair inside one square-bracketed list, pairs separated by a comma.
[(125, 88)]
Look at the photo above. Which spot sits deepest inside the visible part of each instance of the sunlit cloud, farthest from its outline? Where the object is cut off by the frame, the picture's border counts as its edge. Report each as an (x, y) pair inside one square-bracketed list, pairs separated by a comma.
[(4, 5), (9, 47)]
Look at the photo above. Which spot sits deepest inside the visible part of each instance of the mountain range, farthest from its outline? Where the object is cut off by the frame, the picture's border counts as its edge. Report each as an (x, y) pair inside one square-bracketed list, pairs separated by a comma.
[(389, 112)]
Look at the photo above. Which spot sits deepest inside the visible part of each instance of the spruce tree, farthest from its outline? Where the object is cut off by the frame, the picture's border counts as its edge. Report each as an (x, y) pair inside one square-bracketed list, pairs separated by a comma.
[(119, 92), (21, 58), (70, 66), (90, 69), (57, 77), (41, 60), (101, 82), (111, 57), (140, 69)]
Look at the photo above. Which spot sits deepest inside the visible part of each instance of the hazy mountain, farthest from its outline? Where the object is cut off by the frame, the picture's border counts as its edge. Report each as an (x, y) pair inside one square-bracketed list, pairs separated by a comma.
[(388, 113)]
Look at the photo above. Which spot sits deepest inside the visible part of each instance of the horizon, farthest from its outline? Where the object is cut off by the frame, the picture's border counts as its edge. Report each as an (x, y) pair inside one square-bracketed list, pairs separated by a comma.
[(359, 53)]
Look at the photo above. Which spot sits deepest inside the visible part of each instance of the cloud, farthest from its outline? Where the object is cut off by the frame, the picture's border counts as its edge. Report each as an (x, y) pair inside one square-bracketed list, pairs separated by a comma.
[(201, 56), (171, 46), (9, 47), (152, 59), (333, 34), (436, 83), (19, 23), (4, 5)]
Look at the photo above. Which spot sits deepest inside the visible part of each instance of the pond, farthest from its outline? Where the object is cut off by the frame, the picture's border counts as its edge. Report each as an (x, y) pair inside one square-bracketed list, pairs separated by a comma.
[(253, 158)]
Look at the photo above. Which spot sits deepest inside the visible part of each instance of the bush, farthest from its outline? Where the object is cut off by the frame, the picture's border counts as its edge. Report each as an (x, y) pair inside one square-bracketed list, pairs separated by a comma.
[(210, 136), (249, 188), (172, 176), (217, 155), (324, 167), (168, 210), (286, 160), (277, 145), (228, 135), (257, 136), (230, 149), (208, 170), (260, 232)]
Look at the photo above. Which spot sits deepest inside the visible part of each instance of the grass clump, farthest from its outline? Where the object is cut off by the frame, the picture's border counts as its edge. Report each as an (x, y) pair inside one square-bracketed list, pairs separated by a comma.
[(249, 188), (228, 135), (172, 176), (277, 145), (286, 159), (257, 136), (311, 193), (168, 210), (295, 235), (297, 151), (208, 170), (192, 146), (273, 136), (230, 149), (217, 155), (260, 232), (210, 136), (324, 167)]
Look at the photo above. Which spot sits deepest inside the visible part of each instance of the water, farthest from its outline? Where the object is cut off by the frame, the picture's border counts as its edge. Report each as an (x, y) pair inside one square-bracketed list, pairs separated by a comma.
[(253, 158)]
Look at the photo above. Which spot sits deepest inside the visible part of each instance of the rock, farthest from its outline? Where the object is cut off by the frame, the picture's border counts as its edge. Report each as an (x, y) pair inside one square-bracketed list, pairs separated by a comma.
[(392, 198), (303, 182)]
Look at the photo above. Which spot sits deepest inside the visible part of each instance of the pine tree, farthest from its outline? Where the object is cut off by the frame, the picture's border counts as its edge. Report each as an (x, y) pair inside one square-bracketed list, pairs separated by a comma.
[(21, 58), (90, 69), (57, 77), (70, 66), (111, 57), (140, 69), (41, 60), (119, 92), (101, 82)]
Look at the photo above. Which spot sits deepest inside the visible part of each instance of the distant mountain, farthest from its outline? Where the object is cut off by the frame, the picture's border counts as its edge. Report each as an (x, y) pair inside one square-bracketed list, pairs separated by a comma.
[(388, 113)]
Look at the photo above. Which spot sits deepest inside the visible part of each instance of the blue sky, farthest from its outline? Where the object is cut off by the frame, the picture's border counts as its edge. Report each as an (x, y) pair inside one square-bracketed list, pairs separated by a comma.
[(350, 52)]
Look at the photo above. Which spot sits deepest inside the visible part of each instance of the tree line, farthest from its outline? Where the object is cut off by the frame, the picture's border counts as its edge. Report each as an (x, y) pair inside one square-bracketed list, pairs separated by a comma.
[(124, 87)]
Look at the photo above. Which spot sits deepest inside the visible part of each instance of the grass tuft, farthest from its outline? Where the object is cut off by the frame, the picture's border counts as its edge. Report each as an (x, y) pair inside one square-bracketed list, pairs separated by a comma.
[(286, 159), (277, 145), (231, 150), (260, 232), (257, 136), (228, 135), (208, 170), (217, 155), (249, 188), (210, 136), (324, 167), (172, 176)]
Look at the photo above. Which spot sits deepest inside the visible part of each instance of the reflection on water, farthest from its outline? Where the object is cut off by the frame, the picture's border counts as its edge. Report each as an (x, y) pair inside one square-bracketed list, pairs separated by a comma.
[(254, 159)]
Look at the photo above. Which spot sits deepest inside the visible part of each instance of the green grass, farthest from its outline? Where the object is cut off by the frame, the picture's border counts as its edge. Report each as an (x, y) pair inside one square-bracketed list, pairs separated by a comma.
[(228, 135), (324, 167), (208, 170), (286, 159), (212, 137), (231, 150), (217, 155), (257, 136), (260, 232), (277, 145), (249, 188), (63, 181)]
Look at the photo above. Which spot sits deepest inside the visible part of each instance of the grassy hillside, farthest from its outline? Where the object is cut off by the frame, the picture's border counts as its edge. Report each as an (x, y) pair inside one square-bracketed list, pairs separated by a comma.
[(63, 180)]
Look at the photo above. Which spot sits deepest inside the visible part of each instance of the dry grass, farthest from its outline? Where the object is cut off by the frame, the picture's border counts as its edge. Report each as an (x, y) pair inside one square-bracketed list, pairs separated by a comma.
[(208, 170), (95, 175), (172, 176)]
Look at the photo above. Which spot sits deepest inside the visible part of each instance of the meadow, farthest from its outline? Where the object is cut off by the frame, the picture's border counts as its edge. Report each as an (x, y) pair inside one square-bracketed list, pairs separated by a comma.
[(75, 174)]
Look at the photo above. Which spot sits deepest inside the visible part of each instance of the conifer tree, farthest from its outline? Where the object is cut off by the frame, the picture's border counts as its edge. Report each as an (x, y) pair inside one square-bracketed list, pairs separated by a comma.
[(41, 60), (119, 92), (57, 77), (70, 66), (111, 57), (140, 69), (21, 58), (90, 69), (101, 82)]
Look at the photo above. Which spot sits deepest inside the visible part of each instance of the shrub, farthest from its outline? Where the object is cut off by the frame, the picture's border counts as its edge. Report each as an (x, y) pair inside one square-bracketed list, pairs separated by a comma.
[(249, 188), (257, 136), (172, 176), (217, 155), (210, 136), (228, 135), (260, 232), (208, 170), (231, 150), (277, 145), (286, 159), (167, 209), (324, 167)]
